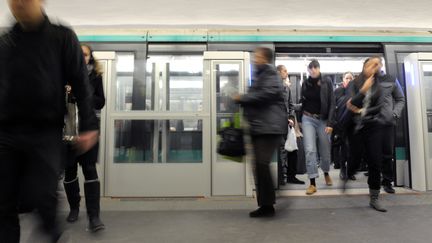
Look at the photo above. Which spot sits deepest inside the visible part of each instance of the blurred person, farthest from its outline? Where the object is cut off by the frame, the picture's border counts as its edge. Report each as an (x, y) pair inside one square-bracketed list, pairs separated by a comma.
[(318, 105), (89, 159), (366, 103), (339, 136), (265, 111), (285, 158), (37, 58)]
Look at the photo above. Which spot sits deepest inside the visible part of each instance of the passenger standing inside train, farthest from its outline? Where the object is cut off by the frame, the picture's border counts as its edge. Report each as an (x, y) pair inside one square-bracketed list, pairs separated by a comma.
[(367, 103), (266, 113), (88, 160), (339, 136), (318, 106), (394, 102), (285, 158), (36, 59)]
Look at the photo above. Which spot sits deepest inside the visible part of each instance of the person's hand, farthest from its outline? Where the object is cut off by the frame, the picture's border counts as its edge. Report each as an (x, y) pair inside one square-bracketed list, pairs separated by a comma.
[(236, 97), (328, 130), (290, 122), (352, 107), (86, 141), (372, 67), (367, 85)]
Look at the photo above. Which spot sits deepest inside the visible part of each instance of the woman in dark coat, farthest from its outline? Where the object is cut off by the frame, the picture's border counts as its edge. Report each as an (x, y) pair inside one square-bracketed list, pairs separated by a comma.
[(88, 160), (366, 104)]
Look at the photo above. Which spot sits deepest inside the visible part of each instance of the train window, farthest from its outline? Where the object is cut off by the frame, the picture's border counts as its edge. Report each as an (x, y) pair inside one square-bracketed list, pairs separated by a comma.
[(179, 81), (158, 141)]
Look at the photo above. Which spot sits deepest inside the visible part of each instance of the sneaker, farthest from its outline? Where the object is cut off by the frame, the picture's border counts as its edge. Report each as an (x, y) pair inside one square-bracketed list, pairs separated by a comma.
[(353, 178), (294, 180), (328, 180), (265, 211), (311, 190)]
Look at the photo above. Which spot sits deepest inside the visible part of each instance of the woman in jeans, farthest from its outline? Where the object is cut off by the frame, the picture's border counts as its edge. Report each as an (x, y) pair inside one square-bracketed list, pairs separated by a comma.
[(318, 106), (366, 104)]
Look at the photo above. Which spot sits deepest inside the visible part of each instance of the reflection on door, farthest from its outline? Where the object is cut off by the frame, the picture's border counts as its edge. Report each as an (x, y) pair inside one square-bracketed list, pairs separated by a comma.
[(227, 84), (157, 125)]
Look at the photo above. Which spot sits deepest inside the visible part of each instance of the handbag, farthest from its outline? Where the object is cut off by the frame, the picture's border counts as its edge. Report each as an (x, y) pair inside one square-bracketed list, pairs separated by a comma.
[(291, 142), (232, 142), (70, 129)]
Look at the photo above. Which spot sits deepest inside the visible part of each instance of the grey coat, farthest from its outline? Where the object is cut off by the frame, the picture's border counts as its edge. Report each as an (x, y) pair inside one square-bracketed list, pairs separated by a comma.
[(264, 103), (393, 99)]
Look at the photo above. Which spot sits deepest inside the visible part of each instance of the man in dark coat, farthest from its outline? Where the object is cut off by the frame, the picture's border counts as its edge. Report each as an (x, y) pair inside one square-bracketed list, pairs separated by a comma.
[(37, 59), (266, 113)]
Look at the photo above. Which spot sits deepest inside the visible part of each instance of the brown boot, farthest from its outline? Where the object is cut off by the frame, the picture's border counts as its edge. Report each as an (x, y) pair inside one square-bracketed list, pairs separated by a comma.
[(328, 180), (311, 190)]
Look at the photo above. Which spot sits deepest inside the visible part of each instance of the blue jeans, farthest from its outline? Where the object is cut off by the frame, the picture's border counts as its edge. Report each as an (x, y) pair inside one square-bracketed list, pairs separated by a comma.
[(313, 129)]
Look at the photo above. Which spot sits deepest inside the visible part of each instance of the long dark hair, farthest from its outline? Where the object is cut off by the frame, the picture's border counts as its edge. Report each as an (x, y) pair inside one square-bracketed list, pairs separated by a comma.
[(361, 78), (93, 61)]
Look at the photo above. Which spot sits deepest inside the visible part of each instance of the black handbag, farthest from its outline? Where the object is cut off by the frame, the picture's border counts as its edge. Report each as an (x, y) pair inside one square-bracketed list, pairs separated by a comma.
[(231, 143)]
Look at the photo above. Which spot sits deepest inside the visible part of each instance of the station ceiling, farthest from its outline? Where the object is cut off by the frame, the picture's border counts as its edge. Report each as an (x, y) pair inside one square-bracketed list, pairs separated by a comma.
[(262, 14)]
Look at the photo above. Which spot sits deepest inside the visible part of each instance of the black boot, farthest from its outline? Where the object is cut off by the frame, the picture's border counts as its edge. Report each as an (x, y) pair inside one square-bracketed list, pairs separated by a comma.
[(92, 196), (388, 187), (343, 174), (294, 180), (73, 196), (264, 211)]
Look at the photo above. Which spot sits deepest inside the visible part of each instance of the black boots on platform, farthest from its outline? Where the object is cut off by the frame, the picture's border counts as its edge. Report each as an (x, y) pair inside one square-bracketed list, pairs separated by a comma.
[(74, 198), (92, 199), (92, 196)]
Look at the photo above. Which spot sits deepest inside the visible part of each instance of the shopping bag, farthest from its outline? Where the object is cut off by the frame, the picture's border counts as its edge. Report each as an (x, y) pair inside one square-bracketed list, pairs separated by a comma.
[(291, 142), (70, 129)]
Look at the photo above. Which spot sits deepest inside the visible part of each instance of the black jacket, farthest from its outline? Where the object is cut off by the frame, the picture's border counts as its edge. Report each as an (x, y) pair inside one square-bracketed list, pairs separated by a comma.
[(265, 103), (97, 88), (371, 115), (327, 99), (393, 98), (34, 69)]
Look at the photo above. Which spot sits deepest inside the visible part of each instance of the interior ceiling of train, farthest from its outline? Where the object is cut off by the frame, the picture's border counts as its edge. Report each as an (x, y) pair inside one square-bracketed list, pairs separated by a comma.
[(244, 14)]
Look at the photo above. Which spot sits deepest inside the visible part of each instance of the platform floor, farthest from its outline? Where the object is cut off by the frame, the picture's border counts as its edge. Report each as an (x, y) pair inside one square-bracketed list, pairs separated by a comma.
[(331, 219)]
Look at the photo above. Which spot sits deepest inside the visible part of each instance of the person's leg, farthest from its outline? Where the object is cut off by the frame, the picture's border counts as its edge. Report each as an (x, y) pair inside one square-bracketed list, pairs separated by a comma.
[(373, 140), (292, 168), (9, 189), (44, 159), (324, 150), (92, 195), (71, 186), (355, 146), (387, 164), (282, 161), (264, 148), (309, 126), (310, 146)]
